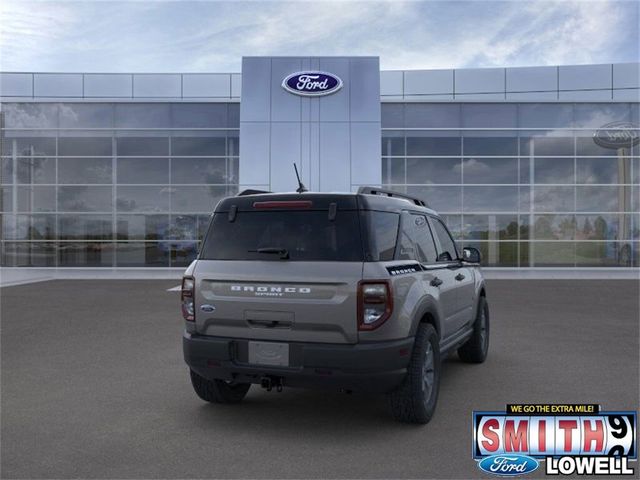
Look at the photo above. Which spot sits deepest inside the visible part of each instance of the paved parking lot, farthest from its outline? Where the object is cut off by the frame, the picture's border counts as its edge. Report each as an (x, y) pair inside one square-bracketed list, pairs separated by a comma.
[(93, 386)]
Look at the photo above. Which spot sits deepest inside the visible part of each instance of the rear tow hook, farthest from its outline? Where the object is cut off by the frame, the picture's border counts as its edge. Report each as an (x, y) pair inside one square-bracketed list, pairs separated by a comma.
[(269, 382)]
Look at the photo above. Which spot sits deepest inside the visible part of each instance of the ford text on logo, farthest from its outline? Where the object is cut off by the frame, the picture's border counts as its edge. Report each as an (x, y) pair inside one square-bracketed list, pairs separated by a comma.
[(617, 135), (508, 465), (312, 84)]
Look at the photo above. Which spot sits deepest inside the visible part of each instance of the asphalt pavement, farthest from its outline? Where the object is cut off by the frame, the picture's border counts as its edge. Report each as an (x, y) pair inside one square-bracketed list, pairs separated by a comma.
[(94, 386)]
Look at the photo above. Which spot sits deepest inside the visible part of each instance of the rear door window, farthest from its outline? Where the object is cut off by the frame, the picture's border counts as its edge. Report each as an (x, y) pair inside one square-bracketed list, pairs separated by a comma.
[(304, 235), (381, 232), (416, 241)]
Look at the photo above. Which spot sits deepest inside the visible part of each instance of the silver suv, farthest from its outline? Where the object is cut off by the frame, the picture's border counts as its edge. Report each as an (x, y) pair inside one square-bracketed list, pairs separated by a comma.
[(357, 292)]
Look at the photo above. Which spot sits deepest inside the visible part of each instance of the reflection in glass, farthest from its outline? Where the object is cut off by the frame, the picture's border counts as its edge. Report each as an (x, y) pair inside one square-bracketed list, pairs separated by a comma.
[(30, 115), (71, 254), (196, 199), (554, 170), (86, 115), (393, 170), (490, 170), (36, 199), (603, 198), (423, 145), (552, 254), (441, 199), (143, 199), (142, 146), (199, 170), (603, 254), (392, 143), (29, 146), (32, 254), (199, 146), (84, 170), (431, 115), (6, 171), (554, 227), (142, 115), (36, 170), (142, 227), (84, 199), (496, 254), (604, 226), (490, 146), (392, 115), (143, 170), (148, 254), (603, 170), (553, 199), (29, 227), (490, 227), (434, 170), (199, 115), (85, 227), (85, 146), (490, 199)]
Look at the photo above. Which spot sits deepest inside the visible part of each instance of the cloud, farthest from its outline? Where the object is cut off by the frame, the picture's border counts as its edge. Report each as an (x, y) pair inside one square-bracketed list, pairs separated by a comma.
[(213, 36)]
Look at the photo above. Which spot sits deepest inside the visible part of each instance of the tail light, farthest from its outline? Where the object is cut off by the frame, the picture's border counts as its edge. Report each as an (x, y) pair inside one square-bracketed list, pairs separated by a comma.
[(375, 303), (187, 297)]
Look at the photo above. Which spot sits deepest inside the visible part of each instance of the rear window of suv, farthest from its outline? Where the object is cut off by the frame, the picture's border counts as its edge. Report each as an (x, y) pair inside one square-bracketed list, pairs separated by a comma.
[(304, 235)]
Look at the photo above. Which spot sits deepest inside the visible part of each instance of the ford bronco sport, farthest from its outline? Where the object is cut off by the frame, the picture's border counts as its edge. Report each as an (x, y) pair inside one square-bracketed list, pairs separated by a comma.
[(359, 292)]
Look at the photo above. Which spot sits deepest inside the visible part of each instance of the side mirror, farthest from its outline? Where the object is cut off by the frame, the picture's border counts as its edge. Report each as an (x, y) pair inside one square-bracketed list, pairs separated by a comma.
[(471, 255)]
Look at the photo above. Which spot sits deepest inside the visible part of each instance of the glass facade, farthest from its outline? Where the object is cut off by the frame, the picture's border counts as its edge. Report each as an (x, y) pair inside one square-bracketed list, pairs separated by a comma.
[(524, 183), (113, 184), (129, 184)]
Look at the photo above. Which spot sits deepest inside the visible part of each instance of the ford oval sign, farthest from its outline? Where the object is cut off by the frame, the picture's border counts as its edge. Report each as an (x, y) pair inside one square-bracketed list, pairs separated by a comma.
[(617, 135), (508, 465), (312, 84)]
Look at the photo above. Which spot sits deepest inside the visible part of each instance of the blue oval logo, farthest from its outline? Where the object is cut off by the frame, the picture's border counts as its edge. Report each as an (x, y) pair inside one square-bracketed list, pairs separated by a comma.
[(207, 308), (312, 84), (508, 465)]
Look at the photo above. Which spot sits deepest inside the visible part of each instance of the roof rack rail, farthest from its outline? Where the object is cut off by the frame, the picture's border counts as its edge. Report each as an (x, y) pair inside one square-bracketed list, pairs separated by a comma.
[(391, 193), (251, 191)]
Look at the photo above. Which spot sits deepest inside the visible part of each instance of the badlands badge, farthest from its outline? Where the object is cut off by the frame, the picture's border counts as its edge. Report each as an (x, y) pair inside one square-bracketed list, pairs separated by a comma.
[(571, 439)]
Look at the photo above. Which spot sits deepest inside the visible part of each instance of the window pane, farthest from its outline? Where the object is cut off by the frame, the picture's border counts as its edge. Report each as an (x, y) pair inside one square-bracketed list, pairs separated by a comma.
[(554, 227), (196, 199), (545, 115), (425, 115), (36, 254), (182, 227), (586, 146), (36, 170), (142, 146), (598, 114), (84, 170), (142, 115), (604, 227), (36, 199), (490, 199), (423, 145), (143, 170), (29, 227), (392, 115), (6, 199), (441, 199), (500, 146), (85, 254), (142, 254), (84, 146), (199, 115), (143, 199), (85, 227), (454, 224), (199, 170), (434, 170), (392, 143), (490, 170), (6, 171), (29, 146), (490, 227), (233, 115), (393, 170), (497, 254), (546, 146), (603, 254), (79, 115), (552, 254), (383, 228), (554, 199), (489, 116), (603, 170), (554, 170), (181, 254), (30, 115), (602, 199), (198, 146), (84, 199), (142, 227)]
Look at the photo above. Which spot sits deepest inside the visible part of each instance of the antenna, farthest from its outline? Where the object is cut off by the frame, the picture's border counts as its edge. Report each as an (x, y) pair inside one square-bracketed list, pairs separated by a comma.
[(301, 188)]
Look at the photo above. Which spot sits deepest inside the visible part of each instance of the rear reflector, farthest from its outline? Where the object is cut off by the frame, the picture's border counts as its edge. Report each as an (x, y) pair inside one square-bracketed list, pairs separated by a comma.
[(283, 204)]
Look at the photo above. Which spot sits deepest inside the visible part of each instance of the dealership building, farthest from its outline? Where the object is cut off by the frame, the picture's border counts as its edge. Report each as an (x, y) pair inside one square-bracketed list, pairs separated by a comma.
[(537, 167)]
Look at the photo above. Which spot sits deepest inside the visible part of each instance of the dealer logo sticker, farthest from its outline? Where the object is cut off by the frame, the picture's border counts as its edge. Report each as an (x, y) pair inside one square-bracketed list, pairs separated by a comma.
[(312, 83), (569, 438)]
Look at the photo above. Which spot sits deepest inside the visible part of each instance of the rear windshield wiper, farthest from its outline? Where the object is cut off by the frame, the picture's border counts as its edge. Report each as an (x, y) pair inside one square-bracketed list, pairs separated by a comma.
[(283, 252)]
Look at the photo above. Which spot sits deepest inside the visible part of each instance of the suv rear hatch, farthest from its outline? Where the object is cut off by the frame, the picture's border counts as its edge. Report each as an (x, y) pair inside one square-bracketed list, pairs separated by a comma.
[(282, 267)]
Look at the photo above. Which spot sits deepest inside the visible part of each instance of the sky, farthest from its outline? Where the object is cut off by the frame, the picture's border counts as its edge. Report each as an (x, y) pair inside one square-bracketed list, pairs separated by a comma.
[(212, 36)]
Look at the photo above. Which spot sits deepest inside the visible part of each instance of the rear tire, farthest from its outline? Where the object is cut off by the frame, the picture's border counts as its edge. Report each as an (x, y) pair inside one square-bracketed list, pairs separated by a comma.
[(475, 350), (414, 401), (218, 391)]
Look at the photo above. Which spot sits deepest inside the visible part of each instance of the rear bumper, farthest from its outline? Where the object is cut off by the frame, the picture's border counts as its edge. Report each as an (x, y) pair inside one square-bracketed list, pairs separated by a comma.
[(370, 367)]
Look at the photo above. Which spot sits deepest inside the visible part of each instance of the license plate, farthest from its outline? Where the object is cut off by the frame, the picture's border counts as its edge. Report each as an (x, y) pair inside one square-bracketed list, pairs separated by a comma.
[(269, 353)]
